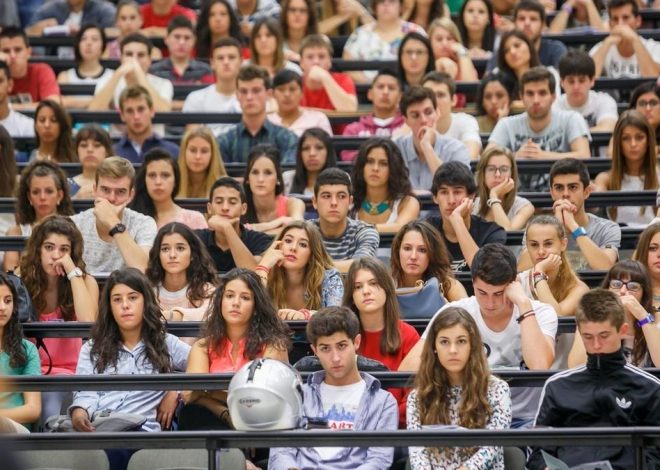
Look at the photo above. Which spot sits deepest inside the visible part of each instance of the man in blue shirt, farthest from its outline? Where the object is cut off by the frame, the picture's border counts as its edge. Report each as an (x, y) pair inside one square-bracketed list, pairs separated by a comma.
[(137, 111), (73, 14), (253, 91)]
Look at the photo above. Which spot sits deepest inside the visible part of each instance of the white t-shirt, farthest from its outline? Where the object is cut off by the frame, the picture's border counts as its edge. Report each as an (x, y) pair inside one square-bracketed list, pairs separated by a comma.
[(617, 66), (18, 125), (599, 106), (103, 257), (209, 100), (504, 348), (340, 407), (464, 127), (163, 87)]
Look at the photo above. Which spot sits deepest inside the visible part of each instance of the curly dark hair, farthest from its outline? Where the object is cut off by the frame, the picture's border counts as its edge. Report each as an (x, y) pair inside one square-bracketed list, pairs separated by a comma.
[(25, 213), (12, 333), (200, 272), (8, 164), (142, 201), (204, 36), (265, 328), (32, 271), (398, 183), (300, 176), (270, 152), (64, 149), (106, 336)]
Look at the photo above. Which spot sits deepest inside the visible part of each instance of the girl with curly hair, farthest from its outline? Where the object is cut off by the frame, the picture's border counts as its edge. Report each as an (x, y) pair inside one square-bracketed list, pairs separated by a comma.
[(453, 386), (241, 325), (419, 254), (156, 184), (497, 190), (129, 337), (42, 191), (52, 130), (183, 273), (18, 357), (268, 209), (382, 195), (54, 274), (315, 153), (299, 273)]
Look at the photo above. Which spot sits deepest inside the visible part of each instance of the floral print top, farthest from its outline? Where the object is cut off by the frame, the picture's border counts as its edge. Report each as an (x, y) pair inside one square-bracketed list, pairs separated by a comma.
[(481, 458)]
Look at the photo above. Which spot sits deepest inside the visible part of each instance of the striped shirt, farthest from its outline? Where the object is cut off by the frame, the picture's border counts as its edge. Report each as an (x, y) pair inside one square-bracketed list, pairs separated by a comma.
[(359, 239)]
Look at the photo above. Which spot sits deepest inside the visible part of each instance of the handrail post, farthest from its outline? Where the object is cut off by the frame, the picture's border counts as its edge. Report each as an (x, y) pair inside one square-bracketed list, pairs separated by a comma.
[(213, 455)]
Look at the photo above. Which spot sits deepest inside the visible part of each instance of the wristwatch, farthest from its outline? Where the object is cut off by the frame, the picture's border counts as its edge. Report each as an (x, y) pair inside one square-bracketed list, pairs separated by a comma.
[(579, 232), (75, 272), (119, 228)]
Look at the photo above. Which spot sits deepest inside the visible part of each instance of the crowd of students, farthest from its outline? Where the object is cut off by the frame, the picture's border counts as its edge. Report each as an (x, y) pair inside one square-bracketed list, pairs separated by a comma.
[(259, 257)]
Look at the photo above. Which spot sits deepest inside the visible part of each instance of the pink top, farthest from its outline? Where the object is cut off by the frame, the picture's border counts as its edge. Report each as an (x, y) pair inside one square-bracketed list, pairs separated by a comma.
[(308, 119), (280, 206), (193, 219), (223, 362), (63, 352)]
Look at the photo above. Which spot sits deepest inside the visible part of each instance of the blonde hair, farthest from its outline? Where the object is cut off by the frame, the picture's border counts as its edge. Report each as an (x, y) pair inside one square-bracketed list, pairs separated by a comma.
[(446, 24), (215, 170), (115, 168)]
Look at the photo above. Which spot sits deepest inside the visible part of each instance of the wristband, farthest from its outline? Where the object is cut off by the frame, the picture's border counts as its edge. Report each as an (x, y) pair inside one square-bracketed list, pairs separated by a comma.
[(578, 232), (538, 277), (528, 313), (492, 201), (261, 267), (646, 320)]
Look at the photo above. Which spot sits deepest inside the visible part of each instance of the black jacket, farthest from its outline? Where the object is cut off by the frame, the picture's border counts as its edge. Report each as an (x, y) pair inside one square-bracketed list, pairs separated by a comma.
[(607, 392)]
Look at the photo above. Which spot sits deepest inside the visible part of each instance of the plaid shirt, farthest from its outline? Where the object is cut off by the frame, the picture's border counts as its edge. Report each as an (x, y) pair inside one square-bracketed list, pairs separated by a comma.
[(235, 144)]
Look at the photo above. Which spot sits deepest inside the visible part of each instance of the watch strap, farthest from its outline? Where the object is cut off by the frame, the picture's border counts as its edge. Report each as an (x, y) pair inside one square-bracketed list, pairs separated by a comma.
[(578, 232), (646, 320)]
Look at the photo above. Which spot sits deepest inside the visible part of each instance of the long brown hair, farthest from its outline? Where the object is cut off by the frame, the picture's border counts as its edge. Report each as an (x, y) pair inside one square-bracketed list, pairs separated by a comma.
[(439, 266), (274, 28), (566, 278), (65, 152), (619, 164), (641, 253), (32, 271), (634, 271), (25, 213), (390, 340), (432, 381), (319, 261), (482, 190)]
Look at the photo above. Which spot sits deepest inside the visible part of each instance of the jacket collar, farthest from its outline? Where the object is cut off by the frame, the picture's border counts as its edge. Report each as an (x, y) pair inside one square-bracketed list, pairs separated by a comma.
[(605, 362)]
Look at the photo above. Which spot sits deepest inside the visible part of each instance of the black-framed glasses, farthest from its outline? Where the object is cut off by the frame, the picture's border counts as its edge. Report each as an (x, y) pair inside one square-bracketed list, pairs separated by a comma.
[(632, 286)]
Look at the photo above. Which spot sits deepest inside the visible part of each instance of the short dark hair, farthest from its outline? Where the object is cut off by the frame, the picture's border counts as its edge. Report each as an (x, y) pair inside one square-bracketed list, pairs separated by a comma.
[(5, 67), (646, 87), (11, 32), (612, 4), (494, 264), (333, 176), (598, 306), (227, 182), (385, 72), (253, 72), (538, 74), (441, 77), (79, 35), (286, 76), (454, 174), (416, 94), (576, 62), (530, 5), (330, 320), (570, 166), (180, 21), (136, 37), (226, 42)]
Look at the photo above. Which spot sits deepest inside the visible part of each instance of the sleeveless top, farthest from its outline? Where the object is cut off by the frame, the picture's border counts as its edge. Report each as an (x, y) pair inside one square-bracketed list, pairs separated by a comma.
[(630, 215), (220, 362), (280, 206), (74, 77), (63, 352)]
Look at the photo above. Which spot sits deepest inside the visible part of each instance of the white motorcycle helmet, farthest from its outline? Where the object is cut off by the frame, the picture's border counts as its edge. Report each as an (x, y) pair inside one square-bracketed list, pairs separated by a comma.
[(266, 395)]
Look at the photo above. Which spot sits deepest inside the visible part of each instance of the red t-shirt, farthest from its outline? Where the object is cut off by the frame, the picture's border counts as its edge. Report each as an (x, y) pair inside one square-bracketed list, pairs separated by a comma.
[(320, 99), (370, 347), (149, 18), (39, 82)]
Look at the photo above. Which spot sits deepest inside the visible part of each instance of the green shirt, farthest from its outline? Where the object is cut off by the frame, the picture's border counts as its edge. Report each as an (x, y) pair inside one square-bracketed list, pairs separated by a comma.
[(454, 5), (31, 367)]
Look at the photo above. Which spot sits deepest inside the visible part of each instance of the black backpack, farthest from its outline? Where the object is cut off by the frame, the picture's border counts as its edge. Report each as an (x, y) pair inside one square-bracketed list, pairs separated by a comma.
[(26, 311)]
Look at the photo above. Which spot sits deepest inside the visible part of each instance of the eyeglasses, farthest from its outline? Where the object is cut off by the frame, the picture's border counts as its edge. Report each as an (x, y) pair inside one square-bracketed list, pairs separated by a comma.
[(647, 104), (632, 286), (415, 52), (492, 169)]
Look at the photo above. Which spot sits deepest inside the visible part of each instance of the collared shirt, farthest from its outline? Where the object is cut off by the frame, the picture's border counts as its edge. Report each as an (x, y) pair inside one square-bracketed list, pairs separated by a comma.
[(129, 362), (96, 12), (196, 72), (235, 144), (125, 148)]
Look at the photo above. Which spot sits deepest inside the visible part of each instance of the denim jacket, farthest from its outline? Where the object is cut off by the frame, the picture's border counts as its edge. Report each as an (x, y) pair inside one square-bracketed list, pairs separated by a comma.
[(377, 411)]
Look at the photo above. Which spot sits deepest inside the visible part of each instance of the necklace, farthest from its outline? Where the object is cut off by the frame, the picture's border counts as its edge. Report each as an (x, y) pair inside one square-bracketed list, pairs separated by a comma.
[(375, 209)]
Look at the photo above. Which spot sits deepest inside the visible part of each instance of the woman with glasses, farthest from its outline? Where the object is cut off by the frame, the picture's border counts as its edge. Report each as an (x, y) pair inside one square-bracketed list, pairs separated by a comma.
[(641, 341), (415, 59), (497, 185), (646, 99)]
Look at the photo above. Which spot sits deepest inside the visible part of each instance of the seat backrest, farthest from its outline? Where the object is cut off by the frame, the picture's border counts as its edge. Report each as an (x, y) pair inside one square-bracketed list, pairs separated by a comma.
[(514, 459), (63, 460), (184, 459)]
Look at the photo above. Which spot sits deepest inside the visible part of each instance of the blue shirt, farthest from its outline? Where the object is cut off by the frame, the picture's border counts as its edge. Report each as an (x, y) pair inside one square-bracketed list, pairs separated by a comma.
[(142, 402), (94, 12), (235, 144), (124, 148)]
